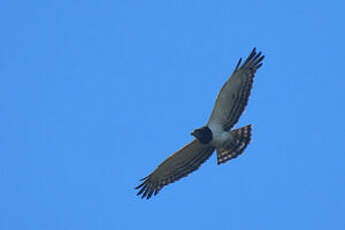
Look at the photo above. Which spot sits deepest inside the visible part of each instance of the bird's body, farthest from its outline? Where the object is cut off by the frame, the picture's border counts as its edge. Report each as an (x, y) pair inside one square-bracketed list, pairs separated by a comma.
[(220, 136), (217, 134)]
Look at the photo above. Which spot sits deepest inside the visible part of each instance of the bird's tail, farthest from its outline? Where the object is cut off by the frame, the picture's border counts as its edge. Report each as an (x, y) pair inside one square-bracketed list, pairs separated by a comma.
[(242, 137)]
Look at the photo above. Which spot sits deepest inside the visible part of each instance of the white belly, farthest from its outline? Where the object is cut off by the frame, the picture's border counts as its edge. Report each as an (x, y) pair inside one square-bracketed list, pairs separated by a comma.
[(219, 136)]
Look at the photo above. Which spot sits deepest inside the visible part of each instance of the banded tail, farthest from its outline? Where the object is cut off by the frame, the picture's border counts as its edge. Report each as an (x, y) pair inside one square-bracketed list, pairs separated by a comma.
[(237, 146)]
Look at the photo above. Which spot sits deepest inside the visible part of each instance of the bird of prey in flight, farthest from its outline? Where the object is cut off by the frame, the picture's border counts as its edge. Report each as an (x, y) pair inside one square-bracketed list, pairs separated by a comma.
[(217, 134)]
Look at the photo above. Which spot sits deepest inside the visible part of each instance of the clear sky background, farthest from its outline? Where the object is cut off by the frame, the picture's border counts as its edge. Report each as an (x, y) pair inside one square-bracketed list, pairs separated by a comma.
[(95, 94)]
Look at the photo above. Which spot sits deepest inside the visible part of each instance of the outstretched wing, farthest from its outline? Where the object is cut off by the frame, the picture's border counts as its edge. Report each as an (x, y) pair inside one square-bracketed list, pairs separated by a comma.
[(233, 97), (176, 166)]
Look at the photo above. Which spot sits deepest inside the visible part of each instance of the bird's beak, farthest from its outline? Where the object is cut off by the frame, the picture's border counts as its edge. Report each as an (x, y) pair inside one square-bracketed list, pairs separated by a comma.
[(192, 133)]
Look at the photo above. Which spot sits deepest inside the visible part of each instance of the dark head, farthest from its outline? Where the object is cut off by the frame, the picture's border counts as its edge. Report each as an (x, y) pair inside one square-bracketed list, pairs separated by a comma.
[(204, 134)]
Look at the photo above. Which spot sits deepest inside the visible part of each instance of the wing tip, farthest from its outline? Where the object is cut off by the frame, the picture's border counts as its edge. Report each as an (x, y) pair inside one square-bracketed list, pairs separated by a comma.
[(254, 59), (147, 188)]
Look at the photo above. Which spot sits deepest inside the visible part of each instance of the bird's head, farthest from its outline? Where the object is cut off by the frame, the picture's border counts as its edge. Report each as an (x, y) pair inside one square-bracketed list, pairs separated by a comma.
[(204, 134)]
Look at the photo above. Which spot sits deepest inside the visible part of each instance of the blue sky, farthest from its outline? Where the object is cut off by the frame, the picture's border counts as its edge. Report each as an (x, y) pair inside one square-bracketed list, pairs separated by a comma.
[(95, 94)]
